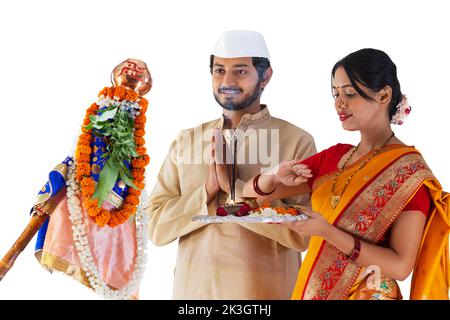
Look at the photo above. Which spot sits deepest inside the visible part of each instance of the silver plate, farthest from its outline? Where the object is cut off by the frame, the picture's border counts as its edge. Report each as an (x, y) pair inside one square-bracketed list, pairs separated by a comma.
[(252, 219)]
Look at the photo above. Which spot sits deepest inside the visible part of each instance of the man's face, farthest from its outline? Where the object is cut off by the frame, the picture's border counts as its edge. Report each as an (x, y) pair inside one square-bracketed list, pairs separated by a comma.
[(235, 82)]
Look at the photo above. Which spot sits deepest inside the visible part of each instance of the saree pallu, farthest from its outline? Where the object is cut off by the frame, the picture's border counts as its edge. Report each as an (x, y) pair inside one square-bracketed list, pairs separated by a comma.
[(373, 200)]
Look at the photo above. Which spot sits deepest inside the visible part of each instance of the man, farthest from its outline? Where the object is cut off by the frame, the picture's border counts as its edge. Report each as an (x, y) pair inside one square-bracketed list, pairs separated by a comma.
[(230, 260)]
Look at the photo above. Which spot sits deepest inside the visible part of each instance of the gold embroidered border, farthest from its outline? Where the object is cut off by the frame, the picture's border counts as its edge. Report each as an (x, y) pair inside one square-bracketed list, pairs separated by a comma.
[(354, 165), (395, 204), (329, 256), (54, 263)]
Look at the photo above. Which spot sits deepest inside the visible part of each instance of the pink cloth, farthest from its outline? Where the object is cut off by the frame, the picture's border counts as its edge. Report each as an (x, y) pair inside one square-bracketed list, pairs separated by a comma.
[(113, 249)]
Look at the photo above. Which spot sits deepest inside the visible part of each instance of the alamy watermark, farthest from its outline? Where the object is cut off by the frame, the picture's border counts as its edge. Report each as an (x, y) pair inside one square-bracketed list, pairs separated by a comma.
[(254, 146)]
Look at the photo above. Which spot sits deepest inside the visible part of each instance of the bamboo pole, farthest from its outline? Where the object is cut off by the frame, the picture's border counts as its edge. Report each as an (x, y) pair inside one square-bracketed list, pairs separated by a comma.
[(28, 233)]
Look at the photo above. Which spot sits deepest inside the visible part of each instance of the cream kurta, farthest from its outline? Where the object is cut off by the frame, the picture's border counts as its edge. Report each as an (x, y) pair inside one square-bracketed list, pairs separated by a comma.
[(227, 261)]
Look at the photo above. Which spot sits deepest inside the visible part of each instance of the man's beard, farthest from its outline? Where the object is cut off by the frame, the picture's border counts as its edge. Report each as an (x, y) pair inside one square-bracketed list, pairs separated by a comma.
[(232, 106)]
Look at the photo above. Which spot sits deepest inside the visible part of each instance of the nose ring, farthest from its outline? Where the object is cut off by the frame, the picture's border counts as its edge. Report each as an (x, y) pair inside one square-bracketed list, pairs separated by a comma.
[(342, 105)]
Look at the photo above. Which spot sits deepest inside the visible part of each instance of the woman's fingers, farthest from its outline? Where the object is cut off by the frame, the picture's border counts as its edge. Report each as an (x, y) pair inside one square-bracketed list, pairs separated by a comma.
[(309, 212), (306, 175), (299, 179), (299, 166), (296, 226), (302, 170)]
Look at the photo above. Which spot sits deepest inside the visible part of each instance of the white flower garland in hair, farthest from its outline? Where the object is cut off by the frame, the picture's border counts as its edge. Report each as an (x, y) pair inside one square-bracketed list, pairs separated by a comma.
[(403, 110), (84, 252)]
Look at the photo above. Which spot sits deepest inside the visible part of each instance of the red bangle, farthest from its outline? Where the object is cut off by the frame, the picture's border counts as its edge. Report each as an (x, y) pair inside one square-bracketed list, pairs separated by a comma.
[(258, 190), (356, 250)]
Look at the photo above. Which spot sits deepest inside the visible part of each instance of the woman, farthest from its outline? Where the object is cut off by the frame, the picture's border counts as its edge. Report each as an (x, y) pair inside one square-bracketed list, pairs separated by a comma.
[(375, 206)]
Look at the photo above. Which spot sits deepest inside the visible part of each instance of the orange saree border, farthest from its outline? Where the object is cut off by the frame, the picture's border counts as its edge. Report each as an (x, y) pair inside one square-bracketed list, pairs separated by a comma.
[(376, 196)]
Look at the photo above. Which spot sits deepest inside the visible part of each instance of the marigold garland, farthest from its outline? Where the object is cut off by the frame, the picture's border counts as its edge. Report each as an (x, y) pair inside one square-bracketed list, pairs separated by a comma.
[(83, 155)]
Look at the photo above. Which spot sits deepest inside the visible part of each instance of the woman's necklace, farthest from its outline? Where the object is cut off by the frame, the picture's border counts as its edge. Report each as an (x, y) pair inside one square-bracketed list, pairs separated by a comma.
[(336, 198)]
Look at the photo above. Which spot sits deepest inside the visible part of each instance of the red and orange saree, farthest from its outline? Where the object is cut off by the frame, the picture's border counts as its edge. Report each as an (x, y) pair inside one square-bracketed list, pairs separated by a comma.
[(373, 200)]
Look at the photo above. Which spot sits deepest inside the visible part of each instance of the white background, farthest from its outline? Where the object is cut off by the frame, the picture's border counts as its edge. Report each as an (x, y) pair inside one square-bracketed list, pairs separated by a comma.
[(56, 55)]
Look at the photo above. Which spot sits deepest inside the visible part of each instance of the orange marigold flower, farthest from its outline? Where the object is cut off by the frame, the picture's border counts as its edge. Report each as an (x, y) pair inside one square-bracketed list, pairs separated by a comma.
[(131, 95), (84, 130), (146, 159), (280, 210), (141, 150), (87, 182), (93, 107), (89, 114), (92, 110), (94, 211), (83, 168), (85, 138), (120, 92), (123, 213), (139, 126), (82, 157), (102, 218), (292, 211), (78, 177), (86, 121), (139, 184), (87, 186), (103, 92), (144, 105), (139, 141), (113, 222), (138, 163), (135, 192), (138, 173), (143, 102), (129, 208), (140, 119), (84, 148), (132, 199), (111, 92), (265, 205), (139, 133), (121, 219), (89, 202)]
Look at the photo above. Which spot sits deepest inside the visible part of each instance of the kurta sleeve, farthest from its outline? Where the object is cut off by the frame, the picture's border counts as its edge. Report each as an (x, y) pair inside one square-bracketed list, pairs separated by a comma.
[(287, 237), (170, 211)]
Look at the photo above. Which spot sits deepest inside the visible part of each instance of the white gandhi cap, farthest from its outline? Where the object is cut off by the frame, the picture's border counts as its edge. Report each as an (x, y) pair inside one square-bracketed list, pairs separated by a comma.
[(241, 43)]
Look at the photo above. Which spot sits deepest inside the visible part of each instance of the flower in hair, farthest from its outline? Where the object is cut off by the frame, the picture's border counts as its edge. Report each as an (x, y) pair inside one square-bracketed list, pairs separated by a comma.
[(403, 110)]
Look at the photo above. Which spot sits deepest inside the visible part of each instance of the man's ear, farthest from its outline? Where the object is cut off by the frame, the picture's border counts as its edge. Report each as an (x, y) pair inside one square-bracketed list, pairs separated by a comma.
[(385, 95), (266, 77)]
